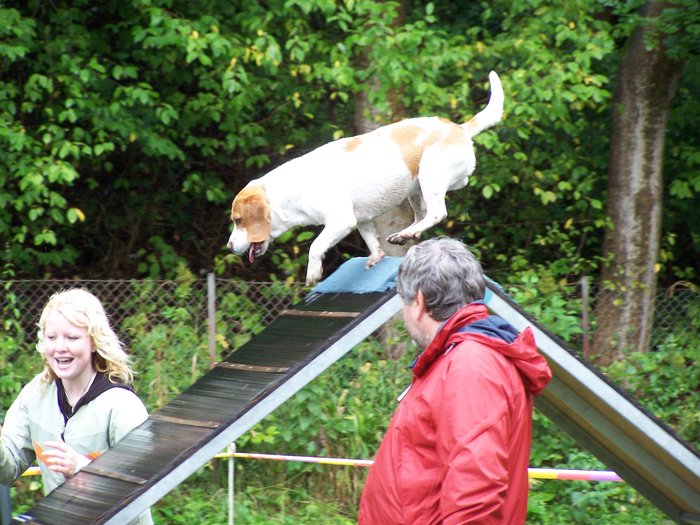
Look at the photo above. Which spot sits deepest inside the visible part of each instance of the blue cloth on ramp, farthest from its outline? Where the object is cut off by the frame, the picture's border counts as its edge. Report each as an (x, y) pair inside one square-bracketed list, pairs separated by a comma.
[(353, 277)]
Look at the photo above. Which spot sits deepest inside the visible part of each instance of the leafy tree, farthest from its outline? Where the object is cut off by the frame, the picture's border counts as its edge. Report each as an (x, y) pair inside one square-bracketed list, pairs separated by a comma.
[(129, 126)]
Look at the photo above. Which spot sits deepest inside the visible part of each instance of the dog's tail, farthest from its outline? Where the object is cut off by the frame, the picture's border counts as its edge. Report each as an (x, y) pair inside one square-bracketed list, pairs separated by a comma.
[(493, 111)]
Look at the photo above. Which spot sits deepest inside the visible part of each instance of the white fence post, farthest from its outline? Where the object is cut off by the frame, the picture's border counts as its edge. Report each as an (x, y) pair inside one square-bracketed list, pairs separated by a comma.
[(585, 321), (211, 317), (231, 451)]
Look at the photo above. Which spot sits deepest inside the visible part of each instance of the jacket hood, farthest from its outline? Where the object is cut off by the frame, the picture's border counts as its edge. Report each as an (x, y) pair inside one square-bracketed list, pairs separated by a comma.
[(473, 322)]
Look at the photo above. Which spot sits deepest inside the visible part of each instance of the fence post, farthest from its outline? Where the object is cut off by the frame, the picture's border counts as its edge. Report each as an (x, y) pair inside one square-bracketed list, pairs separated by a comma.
[(211, 317), (5, 505), (231, 451), (586, 325)]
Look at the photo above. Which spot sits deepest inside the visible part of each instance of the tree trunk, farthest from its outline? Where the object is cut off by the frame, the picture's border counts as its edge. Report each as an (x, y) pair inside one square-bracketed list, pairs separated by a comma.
[(367, 119), (646, 83)]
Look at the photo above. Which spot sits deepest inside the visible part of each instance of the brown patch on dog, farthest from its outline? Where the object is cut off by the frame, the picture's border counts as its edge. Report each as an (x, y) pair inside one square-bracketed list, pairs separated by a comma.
[(455, 136), (352, 144), (250, 210), (407, 139), (412, 148)]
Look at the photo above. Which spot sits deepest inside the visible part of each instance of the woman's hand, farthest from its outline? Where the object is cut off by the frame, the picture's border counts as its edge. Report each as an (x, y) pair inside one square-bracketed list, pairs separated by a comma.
[(60, 458)]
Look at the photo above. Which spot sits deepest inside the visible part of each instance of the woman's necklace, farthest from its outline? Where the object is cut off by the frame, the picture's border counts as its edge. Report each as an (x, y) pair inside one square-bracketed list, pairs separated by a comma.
[(87, 386)]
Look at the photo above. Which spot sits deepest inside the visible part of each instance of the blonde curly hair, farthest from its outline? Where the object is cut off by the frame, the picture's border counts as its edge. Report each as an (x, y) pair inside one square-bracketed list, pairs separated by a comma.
[(83, 309)]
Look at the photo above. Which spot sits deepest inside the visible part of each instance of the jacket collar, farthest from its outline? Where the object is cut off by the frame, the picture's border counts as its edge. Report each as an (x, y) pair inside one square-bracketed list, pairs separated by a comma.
[(464, 316), (100, 385), (492, 331)]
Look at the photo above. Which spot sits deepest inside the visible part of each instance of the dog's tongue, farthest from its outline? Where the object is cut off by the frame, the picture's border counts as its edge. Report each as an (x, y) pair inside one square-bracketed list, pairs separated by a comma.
[(251, 252)]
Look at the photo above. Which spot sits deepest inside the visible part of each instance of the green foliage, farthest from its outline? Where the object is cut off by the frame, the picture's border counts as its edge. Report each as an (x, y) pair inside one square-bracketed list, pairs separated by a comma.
[(683, 168), (553, 502), (674, 25), (166, 339), (127, 128), (559, 179), (546, 300), (18, 357), (194, 503), (343, 414), (667, 381)]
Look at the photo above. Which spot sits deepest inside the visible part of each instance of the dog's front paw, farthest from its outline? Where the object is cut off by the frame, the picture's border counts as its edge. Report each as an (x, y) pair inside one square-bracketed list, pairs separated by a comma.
[(374, 259), (313, 276)]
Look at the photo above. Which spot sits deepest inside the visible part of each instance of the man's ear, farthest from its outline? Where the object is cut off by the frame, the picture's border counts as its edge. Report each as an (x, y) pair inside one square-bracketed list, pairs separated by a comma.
[(420, 303)]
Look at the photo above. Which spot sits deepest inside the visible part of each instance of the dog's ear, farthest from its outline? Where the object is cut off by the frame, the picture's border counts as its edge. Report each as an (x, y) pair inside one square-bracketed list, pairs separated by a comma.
[(252, 209)]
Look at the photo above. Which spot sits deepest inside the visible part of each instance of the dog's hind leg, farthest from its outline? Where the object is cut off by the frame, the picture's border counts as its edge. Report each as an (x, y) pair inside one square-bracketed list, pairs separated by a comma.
[(368, 231), (417, 203), (428, 209)]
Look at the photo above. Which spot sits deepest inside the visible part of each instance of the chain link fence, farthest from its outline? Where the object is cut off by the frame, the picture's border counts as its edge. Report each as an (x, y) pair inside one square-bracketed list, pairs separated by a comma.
[(224, 313), (677, 308), (259, 302), (173, 330)]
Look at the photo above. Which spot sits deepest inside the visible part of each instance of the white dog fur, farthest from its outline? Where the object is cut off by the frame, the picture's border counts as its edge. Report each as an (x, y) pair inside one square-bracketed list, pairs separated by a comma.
[(349, 182)]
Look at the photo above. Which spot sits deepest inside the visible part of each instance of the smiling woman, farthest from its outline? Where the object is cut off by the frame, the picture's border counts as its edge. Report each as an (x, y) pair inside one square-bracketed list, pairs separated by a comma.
[(81, 404), (68, 352)]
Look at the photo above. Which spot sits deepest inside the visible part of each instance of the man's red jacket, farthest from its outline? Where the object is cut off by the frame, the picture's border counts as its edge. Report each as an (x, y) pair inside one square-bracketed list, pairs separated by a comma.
[(457, 449)]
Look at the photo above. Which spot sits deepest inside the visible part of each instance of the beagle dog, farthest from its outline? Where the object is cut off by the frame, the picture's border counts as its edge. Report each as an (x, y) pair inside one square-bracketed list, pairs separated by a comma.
[(347, 183)]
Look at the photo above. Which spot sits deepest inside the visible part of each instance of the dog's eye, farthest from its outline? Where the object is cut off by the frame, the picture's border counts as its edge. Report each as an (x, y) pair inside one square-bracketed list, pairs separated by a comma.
[(237, 221)]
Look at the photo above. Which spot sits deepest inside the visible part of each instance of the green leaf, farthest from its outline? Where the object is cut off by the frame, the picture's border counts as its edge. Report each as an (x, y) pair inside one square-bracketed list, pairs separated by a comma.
[(74, 215)]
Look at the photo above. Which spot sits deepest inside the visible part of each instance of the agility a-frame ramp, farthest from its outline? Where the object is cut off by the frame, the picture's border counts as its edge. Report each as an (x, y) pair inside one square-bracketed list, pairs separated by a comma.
[(610, 424), (305, 340)]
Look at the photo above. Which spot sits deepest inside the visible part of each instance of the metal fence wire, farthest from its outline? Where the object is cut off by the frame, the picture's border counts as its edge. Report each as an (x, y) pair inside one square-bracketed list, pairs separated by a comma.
[(240, 308)]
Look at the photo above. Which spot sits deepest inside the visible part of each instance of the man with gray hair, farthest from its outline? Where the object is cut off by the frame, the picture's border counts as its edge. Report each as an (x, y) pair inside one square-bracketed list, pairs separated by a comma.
[(458, 447)]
